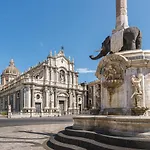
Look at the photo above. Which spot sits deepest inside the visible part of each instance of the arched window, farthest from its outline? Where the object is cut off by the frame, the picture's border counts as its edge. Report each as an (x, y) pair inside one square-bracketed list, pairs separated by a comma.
[(62, 76)]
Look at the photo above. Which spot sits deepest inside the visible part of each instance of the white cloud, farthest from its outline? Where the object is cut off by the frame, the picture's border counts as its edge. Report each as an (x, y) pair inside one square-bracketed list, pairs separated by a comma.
[(85, 70)]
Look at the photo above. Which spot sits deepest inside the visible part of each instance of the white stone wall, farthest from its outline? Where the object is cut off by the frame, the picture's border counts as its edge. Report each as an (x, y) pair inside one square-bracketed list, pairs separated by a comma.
[(122, 97), (41, 84), (147, 90)]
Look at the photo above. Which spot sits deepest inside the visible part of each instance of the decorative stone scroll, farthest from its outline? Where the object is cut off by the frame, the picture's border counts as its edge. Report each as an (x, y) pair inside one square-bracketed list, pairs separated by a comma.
[(111, 71)]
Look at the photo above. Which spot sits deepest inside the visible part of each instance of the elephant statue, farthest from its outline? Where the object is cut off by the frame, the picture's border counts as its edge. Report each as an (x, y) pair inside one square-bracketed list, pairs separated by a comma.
[(105, 49), (132, 39)]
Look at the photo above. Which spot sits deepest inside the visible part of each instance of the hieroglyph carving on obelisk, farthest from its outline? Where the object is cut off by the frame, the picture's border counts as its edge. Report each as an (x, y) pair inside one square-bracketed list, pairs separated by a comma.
[(121, 24), (121, 14)]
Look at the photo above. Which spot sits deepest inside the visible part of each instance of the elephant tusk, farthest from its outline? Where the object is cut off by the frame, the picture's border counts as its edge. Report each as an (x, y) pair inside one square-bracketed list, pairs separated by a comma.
[(98, 50), (91, 56)]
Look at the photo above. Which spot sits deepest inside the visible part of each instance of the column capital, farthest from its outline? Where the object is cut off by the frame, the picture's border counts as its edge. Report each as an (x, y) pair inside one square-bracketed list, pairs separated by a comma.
[(55, 89), (32, 87), (45, 88), (27, 88)]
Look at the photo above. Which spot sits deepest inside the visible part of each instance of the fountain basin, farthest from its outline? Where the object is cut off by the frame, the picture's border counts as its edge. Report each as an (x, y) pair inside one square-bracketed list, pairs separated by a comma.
[(138, 126)]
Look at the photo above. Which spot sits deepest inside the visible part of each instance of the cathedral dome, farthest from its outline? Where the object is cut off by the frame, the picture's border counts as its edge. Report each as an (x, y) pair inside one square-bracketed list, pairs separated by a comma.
[(11, 69)]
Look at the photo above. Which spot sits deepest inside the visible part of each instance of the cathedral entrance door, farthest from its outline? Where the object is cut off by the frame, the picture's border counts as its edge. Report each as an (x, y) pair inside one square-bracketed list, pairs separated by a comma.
[(38, 107), (80, 108), (61, 107)]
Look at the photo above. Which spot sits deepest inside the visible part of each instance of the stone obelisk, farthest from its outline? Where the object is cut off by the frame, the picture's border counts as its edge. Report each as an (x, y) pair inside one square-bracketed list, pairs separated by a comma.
[(121, 14), (121, 24)]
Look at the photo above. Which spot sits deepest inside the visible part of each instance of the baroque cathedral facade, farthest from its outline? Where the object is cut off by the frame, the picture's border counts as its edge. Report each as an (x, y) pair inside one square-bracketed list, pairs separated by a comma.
[(50, 87)]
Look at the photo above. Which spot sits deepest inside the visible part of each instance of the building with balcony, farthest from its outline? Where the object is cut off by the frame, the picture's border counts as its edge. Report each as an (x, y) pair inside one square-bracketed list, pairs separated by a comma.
[(94, 96)]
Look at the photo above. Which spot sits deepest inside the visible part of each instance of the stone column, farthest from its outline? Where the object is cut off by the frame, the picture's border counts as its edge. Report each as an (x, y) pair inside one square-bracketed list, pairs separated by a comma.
[(51, 98), (70, 99), (32, 97), (46, 98), (66, 78), (85, 100), (21, 99), (121, 14), (70, 103), (14, 101), (94, 97), (55, 98), (47, 73), (3, 103), (55, 76), (52, 75), (70, 79), (24, 97), (8, 100), (28, 97), (74, 102), (74, 78), (74, 99), (66, 104), (77, 103)]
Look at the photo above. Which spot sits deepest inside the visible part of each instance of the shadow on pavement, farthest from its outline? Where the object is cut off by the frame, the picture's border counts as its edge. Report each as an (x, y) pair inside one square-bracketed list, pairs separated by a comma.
[(39, 133)]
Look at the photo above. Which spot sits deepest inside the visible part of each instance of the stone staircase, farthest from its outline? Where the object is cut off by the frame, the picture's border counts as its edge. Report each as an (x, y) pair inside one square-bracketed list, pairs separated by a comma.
[(71, 139)]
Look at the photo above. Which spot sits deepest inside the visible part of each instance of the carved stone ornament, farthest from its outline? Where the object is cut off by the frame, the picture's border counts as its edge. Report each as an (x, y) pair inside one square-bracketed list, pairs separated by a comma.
[(137, 90), (111, 71)]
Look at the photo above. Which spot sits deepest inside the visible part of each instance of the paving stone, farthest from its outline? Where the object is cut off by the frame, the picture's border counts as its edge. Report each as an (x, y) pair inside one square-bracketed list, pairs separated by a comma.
[(29, 137)]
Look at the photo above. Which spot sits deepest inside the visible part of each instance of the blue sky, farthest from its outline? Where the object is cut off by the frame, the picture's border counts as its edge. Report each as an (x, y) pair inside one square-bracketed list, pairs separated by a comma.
[(29, 29)]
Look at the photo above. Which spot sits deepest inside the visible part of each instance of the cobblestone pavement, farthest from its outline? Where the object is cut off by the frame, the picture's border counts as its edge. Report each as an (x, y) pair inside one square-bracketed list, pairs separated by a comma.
[(30, 137)]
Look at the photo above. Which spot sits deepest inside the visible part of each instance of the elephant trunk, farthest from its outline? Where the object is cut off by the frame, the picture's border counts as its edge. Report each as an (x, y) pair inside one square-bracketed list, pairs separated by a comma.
[(101, 54)]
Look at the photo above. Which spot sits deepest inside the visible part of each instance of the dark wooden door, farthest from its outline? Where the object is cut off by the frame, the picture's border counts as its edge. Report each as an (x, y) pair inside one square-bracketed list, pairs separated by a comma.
[(38, 107), (61, 107)]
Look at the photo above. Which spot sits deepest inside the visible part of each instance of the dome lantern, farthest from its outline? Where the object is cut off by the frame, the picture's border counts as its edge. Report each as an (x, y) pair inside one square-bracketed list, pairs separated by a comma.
[(10, 73)]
